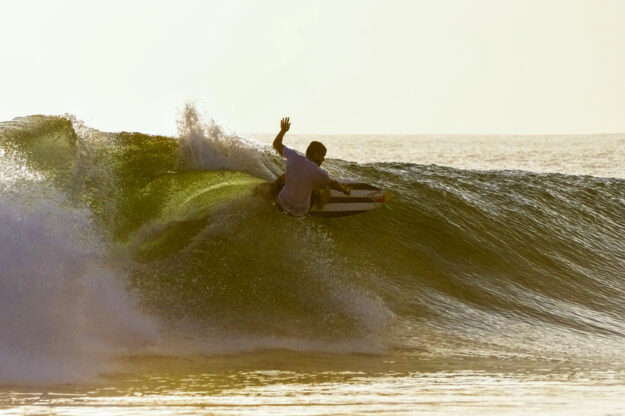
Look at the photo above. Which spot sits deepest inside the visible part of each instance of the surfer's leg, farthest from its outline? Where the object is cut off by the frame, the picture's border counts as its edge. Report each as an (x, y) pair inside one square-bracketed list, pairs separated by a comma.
[(278, 184), (270, 190), (314, 198), (320, 196)]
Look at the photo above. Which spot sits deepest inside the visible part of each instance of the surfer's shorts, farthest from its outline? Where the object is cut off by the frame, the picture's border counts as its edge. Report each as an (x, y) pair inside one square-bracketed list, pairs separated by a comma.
[(288, 212)]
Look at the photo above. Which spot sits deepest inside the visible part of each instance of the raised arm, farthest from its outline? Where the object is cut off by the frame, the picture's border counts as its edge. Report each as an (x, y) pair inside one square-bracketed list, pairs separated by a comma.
[(285, 124)]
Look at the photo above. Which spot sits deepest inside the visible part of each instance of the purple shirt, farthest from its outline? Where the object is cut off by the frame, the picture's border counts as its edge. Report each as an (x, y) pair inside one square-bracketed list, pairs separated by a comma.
[(302, 176)]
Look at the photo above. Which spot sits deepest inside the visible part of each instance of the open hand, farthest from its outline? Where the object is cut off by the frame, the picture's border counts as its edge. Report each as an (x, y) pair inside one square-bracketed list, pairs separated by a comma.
[(285, 124)]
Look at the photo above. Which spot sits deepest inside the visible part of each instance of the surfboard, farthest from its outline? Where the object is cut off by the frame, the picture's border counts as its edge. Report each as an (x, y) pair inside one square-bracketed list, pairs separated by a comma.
[(332, 203), (362, 198)]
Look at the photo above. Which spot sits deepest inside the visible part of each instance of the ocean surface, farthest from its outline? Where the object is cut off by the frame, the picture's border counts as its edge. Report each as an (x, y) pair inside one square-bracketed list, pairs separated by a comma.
[(141, 275)]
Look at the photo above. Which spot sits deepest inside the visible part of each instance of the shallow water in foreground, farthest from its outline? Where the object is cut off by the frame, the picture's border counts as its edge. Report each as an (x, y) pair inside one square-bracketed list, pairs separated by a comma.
[(283, 382)]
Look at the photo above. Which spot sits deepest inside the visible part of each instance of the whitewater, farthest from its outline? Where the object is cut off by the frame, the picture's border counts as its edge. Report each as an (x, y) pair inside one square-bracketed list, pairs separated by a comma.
[(140, 273)]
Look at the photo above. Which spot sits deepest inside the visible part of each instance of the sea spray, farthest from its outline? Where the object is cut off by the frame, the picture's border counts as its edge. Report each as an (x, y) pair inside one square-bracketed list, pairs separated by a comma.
[(208, 146), (64, 311)]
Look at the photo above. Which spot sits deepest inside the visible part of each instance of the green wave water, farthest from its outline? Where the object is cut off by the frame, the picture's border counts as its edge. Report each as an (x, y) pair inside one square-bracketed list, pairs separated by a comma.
[(459, 262)]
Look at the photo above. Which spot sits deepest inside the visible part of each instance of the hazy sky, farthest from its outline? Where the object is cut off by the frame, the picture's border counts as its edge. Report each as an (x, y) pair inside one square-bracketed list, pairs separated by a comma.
[(438, 66)]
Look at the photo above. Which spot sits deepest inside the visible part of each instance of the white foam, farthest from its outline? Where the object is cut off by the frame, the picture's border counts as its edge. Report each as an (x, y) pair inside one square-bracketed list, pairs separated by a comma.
[(14, 170), (207, 146), (63, 310)]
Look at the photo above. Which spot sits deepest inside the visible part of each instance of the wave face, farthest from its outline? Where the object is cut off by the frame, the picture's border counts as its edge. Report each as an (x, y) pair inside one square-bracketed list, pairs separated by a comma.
[(162, 246)]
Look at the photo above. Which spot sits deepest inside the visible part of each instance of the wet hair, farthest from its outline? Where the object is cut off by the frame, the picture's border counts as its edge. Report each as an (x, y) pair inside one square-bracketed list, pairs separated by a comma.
[(315, 146)]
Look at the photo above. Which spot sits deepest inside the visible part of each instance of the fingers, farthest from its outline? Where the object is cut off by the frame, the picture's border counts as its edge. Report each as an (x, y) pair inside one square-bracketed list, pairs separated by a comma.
[(285, 123)]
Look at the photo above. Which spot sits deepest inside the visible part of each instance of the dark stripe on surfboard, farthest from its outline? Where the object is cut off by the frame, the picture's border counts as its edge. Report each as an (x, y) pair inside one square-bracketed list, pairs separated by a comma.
[(364, 186), (350, 199), (334, 213)]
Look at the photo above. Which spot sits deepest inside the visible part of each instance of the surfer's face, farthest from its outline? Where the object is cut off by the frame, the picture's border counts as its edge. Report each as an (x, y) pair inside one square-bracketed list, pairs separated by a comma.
[(318, 157), (316, 152)]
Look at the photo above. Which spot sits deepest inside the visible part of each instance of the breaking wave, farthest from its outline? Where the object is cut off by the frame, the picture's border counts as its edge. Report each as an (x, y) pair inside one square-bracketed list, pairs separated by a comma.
[(118, 242)]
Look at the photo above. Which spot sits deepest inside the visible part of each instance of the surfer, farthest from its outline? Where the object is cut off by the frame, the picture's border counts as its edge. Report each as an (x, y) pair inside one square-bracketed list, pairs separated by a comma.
[(303, 176)]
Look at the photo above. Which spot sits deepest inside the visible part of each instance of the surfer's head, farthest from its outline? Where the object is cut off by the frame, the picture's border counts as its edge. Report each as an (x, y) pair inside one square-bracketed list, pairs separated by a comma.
[(316, 152)]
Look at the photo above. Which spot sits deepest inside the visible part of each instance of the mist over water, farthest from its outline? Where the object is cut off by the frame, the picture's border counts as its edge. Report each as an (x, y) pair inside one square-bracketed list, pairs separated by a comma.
[(117, 244)]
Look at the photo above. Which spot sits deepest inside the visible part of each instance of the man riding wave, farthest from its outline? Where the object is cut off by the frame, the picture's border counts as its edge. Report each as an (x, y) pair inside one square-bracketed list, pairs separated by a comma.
[(303, 174)]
